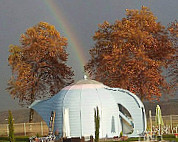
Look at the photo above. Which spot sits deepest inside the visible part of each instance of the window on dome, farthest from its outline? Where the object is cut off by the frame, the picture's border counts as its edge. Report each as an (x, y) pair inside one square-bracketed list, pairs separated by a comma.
[(113, 125), (124, 111), (126, 120)]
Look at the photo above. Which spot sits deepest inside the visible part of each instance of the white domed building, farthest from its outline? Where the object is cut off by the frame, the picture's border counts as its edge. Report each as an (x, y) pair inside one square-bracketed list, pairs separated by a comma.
[(119, 110)]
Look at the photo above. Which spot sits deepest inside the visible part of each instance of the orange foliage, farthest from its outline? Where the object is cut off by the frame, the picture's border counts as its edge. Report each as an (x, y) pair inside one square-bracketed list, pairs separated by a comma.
[(131, 54), (38, 64)]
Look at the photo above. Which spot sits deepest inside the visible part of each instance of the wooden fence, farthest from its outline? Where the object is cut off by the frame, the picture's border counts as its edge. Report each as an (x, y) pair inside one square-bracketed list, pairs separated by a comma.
[(170, 124), (40, 128), (26, 129)]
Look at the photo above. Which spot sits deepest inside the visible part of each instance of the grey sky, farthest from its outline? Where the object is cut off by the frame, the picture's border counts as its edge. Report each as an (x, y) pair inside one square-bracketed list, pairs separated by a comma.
[(83, 15)]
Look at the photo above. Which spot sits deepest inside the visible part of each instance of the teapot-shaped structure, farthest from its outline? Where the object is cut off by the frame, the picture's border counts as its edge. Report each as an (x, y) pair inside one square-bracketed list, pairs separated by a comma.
[(119, 110)]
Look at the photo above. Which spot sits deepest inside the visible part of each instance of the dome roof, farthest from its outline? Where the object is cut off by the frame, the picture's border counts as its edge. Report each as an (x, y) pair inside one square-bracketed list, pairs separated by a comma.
[(80, 99), (87, 81), (84, 84)]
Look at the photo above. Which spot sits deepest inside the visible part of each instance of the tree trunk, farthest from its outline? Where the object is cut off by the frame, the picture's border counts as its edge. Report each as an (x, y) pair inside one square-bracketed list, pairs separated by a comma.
[(31, 115), (31, 110)]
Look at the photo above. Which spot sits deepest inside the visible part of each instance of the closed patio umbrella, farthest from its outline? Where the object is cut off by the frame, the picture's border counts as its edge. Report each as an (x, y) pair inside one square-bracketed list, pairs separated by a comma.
[(158, 118)]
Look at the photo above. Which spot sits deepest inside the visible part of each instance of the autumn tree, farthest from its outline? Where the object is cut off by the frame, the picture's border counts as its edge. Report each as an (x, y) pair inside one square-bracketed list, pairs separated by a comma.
[(173, 66), (131, 54), (38, 65)]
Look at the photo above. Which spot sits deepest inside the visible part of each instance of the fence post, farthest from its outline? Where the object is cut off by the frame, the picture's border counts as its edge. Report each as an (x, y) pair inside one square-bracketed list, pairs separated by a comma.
[(150, 122), (171, 122), (30, 127), (7, 129), (41, 128), (24, 129)]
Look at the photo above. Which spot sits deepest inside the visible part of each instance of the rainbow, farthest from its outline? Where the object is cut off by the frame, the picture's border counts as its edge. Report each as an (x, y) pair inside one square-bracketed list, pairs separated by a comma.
[(69, 33)]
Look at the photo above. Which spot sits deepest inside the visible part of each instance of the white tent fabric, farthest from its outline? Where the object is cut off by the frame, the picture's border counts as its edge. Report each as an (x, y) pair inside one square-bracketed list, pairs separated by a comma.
[(81, 98), (66, 126), (134, 106)]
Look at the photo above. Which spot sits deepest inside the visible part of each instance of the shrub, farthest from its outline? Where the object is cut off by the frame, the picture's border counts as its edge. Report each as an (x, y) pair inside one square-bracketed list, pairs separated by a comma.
[(169, 136), (11, 127), (121, 134), (37, 135), (97, 124)]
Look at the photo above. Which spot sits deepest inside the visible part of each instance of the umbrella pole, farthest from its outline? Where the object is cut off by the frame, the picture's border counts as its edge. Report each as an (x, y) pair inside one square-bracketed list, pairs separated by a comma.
[(150, 123), (159, 129)]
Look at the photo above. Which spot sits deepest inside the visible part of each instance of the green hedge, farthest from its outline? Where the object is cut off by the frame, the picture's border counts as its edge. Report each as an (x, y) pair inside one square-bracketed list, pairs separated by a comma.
[(135, 139), (171, 139), (4, 138), (169, 136), (22, 138)]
